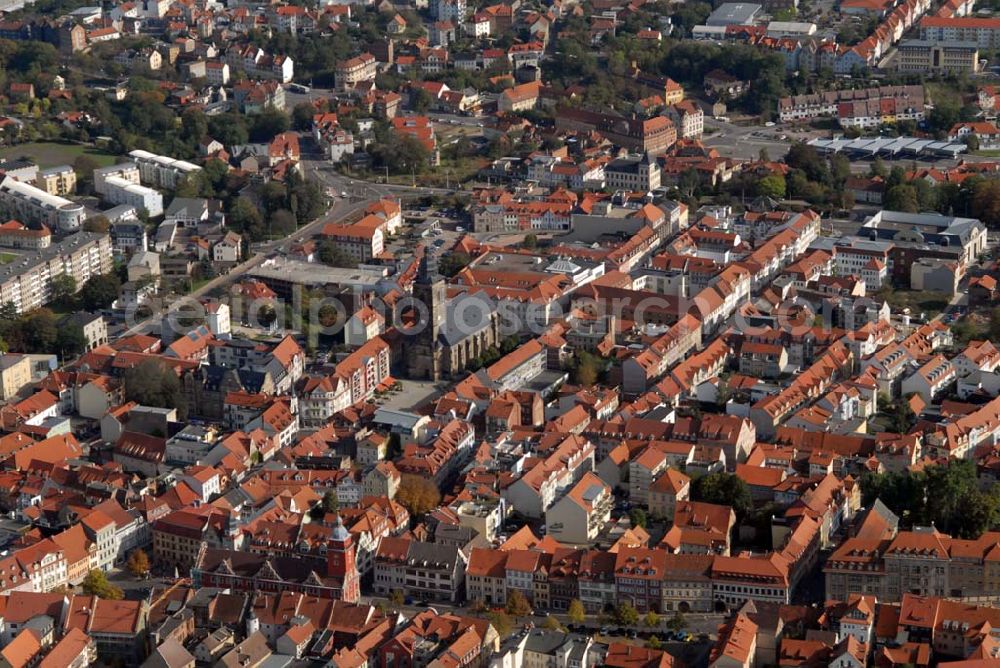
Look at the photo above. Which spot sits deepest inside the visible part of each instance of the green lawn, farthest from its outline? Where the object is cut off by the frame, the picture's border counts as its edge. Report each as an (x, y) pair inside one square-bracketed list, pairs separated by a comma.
[(53, 154), (988, 153), (7, 258)]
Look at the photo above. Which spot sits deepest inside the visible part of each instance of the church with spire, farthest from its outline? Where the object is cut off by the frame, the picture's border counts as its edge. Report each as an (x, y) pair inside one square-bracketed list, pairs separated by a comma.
[(446, 333)]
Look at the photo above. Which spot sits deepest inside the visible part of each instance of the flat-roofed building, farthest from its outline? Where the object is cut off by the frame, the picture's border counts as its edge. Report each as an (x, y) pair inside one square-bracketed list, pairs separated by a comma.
[(33, 205), (921, 55), (59, 180), (27, 281)]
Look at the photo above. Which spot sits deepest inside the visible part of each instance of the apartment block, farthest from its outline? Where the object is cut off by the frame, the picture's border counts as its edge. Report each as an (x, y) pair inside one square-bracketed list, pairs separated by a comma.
[(983, 32), (27, 281), (923, 55), (33, 205), (59, 180), (159, 171)]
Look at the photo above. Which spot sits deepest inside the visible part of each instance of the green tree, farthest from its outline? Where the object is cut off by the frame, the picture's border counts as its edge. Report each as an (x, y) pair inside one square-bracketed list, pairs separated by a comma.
[(70, 341), (100, 291), (269, 123), (677, 622), (245, 217), (40, 331), (530, 241), (724, 489), (302, 116), (901, 198), (576, 612), (230, 129), (772, 186), (986, 202), (331, 254), (651, 619), (84, 166), (637, 516), (946, 495), (282, 223), (96, 584), (327, 505), (452, 263), (421, 101), (155, 383), (63, 288)]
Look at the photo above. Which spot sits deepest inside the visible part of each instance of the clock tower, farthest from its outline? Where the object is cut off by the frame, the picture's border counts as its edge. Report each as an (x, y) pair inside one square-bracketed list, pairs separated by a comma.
[(341, 564)]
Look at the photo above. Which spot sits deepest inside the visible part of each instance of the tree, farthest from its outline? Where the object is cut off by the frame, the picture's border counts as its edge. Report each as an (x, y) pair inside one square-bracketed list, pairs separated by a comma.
[(266, 125), (39, 331), (245, 217), (421, 101), (724, 489), (330, 253), (986, 202), (302, 116), (576, 612), (637, 516), (452, 263), (154, 383), (971, 142), (84, 166), (100, 291), (901, 198), (63, 288), (396, 597), (282, 223), (138, 563), (944, 495), (772, 186), (502, 622), (651, 619), (677, 622), (99, 224), (96, 584), (587, 369), (517, 604), (626, 615), (878, 168), (530, 241), (552, 624), (901, 416), (327, 505), (71, 341), (418, 495)]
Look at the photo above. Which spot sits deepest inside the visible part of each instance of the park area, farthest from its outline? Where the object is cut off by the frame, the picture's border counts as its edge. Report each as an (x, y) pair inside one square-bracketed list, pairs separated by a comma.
[(53, 154)]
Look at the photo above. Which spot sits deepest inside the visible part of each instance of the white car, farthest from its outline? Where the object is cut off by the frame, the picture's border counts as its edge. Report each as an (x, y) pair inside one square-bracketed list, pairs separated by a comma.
[(769, 124)]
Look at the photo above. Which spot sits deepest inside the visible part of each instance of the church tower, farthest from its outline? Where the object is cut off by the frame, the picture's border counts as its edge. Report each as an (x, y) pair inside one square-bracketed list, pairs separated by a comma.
[(423, 350), (341, 564)]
